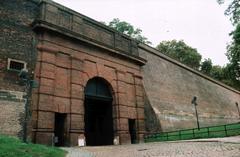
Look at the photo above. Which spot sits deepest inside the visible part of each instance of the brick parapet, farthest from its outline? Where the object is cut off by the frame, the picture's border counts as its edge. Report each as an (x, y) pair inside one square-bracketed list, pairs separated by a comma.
[(67, 20)]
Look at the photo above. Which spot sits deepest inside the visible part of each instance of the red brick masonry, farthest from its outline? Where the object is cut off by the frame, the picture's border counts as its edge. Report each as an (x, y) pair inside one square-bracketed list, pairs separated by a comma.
[(63, 68)]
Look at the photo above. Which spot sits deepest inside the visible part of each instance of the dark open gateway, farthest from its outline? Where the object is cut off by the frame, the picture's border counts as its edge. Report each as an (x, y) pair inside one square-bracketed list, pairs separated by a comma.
[(98, 123), (132, 130), (59, 131), (98, 113)]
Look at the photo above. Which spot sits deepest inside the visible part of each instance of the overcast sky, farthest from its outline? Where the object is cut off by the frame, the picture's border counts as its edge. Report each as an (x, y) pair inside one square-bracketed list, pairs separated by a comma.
[(200, 23)]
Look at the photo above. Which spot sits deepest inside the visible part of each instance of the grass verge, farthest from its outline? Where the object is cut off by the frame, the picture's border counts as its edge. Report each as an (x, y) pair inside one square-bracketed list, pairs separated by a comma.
[(13, 147)]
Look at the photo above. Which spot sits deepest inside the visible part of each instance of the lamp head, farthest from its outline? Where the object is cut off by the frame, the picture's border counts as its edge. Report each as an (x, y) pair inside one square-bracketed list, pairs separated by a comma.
[(23, 75), (194, 100)]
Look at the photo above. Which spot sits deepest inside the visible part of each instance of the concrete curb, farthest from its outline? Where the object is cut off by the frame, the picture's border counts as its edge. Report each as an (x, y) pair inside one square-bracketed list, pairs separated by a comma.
[(233, 140)]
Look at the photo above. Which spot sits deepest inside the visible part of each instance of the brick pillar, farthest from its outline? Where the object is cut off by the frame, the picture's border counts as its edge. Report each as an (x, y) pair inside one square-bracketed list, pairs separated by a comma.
[(42, 106), (140, 108), (121, 95), (77, 102)]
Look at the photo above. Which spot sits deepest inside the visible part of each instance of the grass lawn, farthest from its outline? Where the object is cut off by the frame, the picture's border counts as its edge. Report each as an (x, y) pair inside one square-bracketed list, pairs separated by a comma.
[(13, 147)]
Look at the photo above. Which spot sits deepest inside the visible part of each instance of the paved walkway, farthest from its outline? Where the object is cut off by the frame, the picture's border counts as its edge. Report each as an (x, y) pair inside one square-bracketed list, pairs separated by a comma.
[(234, 139), (217, 147)]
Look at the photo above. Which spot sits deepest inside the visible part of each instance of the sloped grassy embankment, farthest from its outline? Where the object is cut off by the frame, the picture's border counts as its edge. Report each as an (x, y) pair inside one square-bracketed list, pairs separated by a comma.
[(13, 147)]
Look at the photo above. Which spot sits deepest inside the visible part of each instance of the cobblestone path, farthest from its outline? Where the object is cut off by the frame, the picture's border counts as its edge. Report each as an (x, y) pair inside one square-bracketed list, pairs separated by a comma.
[(224, 148)]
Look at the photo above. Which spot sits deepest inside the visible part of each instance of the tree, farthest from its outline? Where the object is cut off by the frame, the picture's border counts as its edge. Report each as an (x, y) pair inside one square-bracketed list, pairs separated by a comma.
[(233, 53), (128, 29), (179, 50), (225, 75), (233, 10), (232, 70), (217, 72), (228, 77), (206, 66)]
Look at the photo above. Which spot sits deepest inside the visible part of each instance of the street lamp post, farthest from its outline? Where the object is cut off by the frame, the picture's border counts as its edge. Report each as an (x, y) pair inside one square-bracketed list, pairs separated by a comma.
[(194, 103), (238, 110)]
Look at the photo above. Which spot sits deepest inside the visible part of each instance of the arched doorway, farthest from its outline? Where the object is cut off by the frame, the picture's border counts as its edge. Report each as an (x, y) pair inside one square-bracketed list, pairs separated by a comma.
[(98, 113)]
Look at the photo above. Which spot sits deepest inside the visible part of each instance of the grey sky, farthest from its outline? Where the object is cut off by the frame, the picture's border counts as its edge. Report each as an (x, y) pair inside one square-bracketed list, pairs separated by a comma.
[(200, 23)]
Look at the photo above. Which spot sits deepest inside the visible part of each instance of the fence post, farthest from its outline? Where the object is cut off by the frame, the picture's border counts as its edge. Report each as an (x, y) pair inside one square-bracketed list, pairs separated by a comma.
[(208, 132), (225, 128), (180, 135)]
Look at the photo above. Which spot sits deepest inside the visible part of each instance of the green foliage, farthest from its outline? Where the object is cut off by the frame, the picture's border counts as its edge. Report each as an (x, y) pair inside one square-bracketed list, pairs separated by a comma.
[(217, 72), (231, 73), (206, 66), (233, 10), (13, 147), (224, 74), (128, 29), (229, 77), (233, 53), (179, 50)]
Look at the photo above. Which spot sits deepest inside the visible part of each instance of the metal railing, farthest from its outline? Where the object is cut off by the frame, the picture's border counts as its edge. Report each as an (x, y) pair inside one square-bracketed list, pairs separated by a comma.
[(205, 132)]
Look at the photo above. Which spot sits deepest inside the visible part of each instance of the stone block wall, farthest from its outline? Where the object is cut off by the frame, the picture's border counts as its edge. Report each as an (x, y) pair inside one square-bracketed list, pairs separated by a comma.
[(12, 113), (170, 87)]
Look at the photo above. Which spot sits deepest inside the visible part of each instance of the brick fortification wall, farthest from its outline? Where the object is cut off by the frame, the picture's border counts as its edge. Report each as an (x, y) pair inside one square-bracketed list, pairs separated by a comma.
[(17, 41), (170, 87)]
